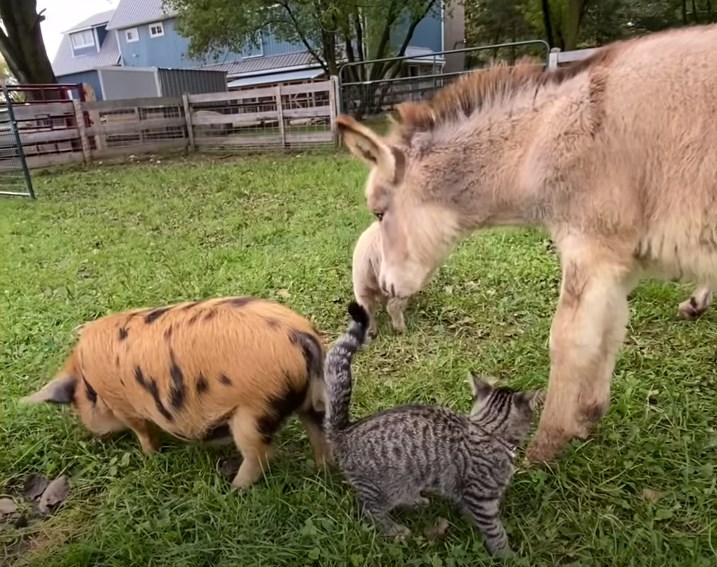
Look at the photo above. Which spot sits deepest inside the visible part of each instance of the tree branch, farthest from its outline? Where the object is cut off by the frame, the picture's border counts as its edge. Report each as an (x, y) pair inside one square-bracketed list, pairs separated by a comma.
[(358, 29), (396, 65), (302, 36), (379, 69)]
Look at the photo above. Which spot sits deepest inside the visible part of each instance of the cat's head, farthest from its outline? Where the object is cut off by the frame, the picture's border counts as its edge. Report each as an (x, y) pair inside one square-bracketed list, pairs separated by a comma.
[(503, 411)]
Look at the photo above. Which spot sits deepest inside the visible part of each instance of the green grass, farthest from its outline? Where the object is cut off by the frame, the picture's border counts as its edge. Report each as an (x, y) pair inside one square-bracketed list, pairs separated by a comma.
[(283, 227)]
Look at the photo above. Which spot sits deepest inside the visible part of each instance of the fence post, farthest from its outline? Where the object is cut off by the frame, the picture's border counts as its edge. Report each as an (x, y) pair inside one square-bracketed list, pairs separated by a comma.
[(333, 105), (82, 130), (188, 119), (280, 112), (18, 141), (553, 58)]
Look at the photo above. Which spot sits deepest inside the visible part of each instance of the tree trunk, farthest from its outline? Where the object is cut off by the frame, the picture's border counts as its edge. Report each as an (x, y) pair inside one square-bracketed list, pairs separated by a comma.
[(710, 14), (572, 23), (695, 15), (548, 23), (329, 47), (513, 51), (22, 45), (684, 12), (378, 69), (376, 93)]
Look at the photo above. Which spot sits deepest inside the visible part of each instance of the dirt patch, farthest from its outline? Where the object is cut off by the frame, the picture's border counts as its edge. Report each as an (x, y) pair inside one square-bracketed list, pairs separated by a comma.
[(22, 512)]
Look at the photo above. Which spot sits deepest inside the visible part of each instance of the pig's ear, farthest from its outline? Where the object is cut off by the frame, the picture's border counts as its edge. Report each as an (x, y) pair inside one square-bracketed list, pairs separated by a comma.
[(61, 390)]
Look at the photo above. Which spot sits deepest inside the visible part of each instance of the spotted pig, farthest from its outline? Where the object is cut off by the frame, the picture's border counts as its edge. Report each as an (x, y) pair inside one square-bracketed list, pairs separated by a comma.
[(233, 366)]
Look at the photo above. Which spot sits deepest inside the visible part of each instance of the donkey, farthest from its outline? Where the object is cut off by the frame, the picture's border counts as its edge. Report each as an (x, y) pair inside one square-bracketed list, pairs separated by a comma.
[(615, 156)]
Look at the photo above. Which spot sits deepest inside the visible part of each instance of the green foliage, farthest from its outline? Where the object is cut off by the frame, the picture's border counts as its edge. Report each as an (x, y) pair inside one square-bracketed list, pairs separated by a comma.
[(362, 28), (640, 491), (4, 70), (571, 24)]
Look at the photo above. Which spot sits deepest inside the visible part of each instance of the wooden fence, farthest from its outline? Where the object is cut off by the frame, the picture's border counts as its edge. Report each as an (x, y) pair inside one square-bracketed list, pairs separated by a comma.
[(277, 117)]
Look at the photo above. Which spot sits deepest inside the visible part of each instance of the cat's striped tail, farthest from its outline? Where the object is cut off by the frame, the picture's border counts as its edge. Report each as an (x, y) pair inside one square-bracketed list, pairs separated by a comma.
[(337, 370)]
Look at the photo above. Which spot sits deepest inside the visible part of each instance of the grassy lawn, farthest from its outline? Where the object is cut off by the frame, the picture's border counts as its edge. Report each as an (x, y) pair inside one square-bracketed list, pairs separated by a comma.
[(641, 491)]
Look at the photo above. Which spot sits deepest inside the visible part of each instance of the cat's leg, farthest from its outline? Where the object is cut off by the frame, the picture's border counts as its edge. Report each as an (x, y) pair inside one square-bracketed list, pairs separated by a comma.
[(486, 516), (417, 502), (697, 304), (377, 507)]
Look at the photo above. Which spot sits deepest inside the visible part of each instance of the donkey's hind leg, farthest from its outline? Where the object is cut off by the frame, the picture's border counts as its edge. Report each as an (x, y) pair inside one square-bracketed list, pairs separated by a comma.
[(697, 304), (369, 301), (395, 308), (587, 330)]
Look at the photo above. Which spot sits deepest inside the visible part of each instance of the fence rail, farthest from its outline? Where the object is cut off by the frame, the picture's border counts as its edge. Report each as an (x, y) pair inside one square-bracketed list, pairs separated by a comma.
[(371, 88), (273, 117)]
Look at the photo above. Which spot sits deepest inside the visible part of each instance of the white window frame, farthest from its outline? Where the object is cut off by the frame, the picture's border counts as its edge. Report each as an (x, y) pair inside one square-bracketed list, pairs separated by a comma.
[(133, 31), (261, 47), (154, 25), (78, 34)]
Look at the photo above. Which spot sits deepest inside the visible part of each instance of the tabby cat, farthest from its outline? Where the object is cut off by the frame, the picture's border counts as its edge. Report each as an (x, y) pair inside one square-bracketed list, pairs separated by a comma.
[(395, 457)]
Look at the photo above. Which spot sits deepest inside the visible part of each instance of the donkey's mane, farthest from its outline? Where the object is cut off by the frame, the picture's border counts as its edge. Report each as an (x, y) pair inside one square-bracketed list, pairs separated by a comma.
[(483, 88)]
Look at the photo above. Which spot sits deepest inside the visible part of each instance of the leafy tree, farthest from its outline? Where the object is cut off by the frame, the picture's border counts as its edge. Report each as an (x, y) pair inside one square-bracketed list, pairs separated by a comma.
[(328, 29), (21, 43), (333, 31), (491, 22), (573, 24)]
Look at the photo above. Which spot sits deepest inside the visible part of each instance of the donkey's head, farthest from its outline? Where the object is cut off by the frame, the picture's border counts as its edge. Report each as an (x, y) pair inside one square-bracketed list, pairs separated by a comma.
[(404, 191), (451, 164)]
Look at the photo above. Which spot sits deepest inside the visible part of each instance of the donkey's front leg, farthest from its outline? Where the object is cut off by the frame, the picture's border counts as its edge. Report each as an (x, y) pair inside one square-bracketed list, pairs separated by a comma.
[(587, 331)]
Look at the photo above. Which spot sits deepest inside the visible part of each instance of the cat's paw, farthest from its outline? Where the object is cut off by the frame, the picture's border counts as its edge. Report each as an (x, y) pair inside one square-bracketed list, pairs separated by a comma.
[(422, 502), (503, 553), (398, 532)]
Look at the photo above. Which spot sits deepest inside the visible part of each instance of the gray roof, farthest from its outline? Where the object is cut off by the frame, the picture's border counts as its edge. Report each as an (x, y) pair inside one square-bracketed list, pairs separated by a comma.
[(255, 65), (134, 12), (65, 64), (92, 21)]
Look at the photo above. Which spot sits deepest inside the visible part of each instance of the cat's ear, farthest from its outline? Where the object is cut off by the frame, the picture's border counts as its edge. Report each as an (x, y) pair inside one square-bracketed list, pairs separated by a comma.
[(534, 399), (480, 386)]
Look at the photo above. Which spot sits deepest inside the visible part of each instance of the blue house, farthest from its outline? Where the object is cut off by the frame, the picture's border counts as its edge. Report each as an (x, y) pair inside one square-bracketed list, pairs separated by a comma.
[(89, 54), (85, 47), (142, 34), (147, 35)]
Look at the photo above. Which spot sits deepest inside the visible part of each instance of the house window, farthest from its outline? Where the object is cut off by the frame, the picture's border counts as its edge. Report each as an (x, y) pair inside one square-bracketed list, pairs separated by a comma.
[(83, 39), (252, 50), (156, 30), (131, 35)]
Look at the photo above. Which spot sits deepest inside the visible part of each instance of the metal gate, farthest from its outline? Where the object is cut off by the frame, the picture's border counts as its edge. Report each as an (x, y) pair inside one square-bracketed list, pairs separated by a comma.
[(14, 174), (371, 88)]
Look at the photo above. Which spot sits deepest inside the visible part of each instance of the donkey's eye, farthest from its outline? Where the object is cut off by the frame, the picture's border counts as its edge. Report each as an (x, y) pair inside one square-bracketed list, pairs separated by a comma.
[(378, 215)]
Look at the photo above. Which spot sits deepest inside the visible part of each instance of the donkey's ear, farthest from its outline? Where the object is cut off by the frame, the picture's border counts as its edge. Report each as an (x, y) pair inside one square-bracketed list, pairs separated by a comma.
[(366, 145), (480, 386), (59, 391)]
